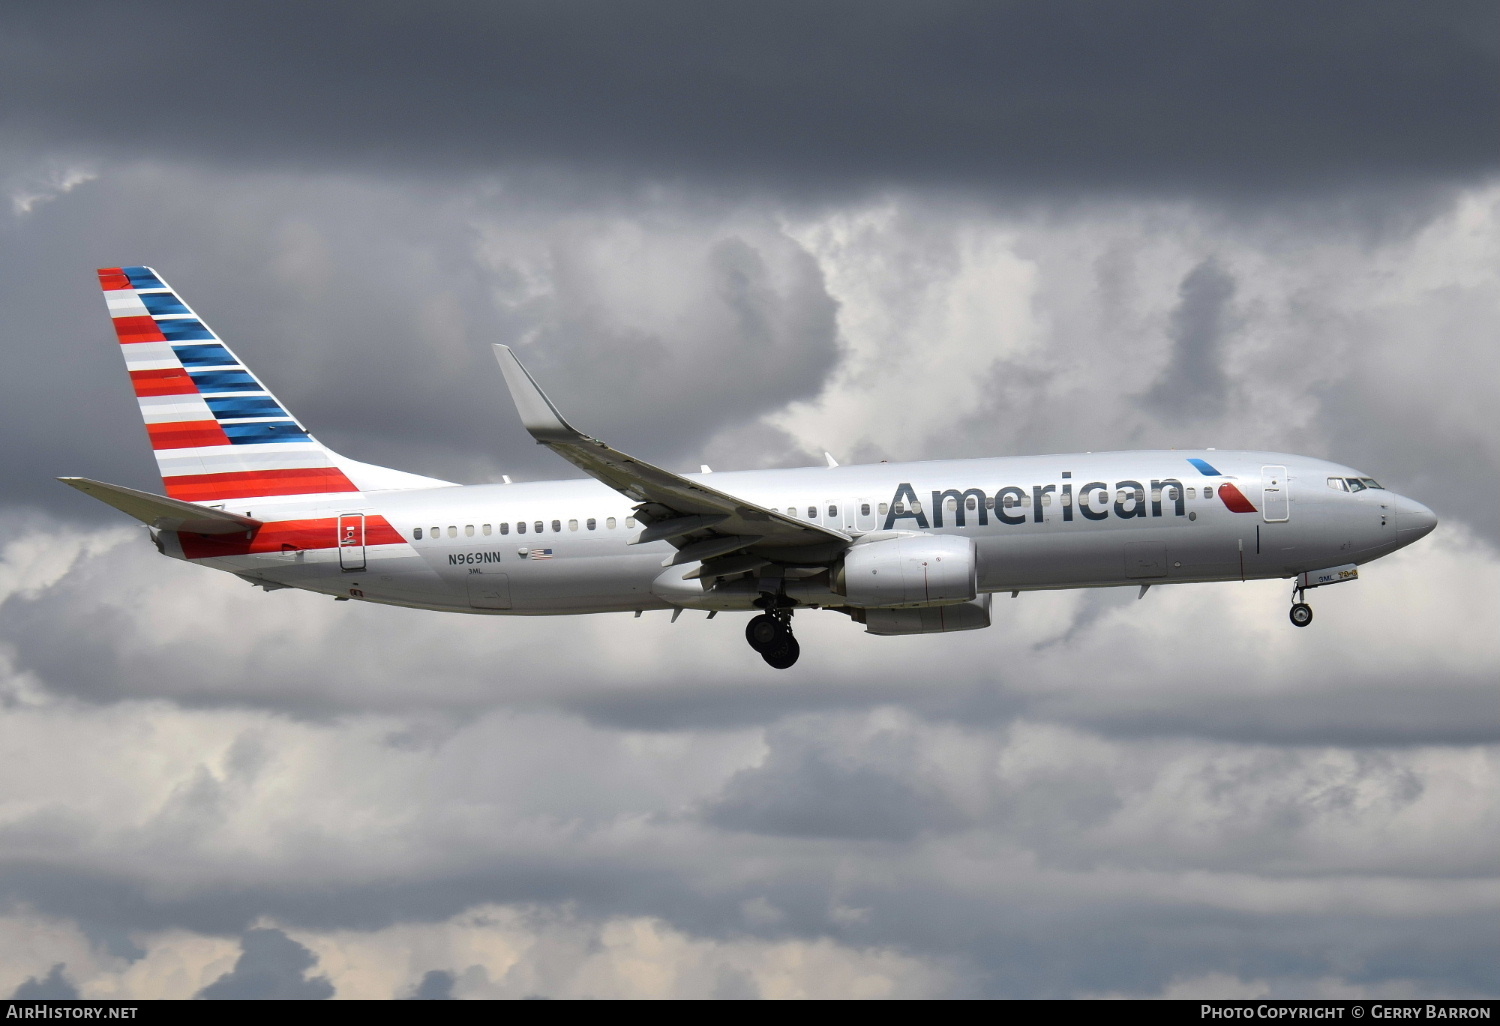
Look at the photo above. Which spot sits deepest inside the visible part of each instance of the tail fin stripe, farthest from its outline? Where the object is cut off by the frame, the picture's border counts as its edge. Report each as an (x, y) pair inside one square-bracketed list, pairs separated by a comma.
[(137, 329), (162, 409), (142, 278), (225, 381), (193, 462), (205, 356), (162, 381), (164, 304), (185, 329), (113, 278), (231, 406), (184, 434), (242, 432), (245, 484)]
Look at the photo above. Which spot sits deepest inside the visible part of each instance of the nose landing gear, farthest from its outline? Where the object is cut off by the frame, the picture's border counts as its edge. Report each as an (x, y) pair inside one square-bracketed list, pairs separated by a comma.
[(1301, 614), (770, 634)]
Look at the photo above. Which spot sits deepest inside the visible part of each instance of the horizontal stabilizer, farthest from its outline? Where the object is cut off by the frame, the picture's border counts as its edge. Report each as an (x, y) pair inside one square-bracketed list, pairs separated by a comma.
[(162, 512)]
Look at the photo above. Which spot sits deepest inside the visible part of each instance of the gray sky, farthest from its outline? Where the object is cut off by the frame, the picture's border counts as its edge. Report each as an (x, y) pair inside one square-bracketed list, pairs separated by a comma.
[(742, 236)]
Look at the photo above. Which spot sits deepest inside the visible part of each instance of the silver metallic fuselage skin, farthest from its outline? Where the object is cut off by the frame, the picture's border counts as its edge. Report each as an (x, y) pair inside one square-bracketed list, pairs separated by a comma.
[(1054, 545)]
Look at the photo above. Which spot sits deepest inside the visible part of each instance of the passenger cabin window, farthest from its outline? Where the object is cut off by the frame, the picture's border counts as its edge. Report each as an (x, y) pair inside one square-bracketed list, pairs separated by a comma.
[(900, 509), (951, 505), (486, 528), (833, 512), (1047, 499), (592, 523), (864, 509), (1208, 491), (609, 522), (971, 503), (812, 512), (916, 507), (452, 531), (1015, 500), (883, 509), (505, 528), (557, 526), (437, 532), (520, 527), (417, 533), (468, 530), (538, 527), (1192, 492), (791, 511), (630, 521), (572, 525)]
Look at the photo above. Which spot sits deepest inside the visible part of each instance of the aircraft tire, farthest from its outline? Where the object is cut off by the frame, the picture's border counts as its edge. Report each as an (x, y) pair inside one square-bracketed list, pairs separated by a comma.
[(1301, 614), (782, 656), (762, 632)]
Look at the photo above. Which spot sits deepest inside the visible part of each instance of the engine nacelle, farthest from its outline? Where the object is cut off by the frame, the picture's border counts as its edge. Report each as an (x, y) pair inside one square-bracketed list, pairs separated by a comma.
[(962, 616), (920, 570)]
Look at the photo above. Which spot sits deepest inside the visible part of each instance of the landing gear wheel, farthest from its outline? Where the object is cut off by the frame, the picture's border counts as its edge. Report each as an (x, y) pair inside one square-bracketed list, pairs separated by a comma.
[(1301, 614), (783, 654), (762, 631)]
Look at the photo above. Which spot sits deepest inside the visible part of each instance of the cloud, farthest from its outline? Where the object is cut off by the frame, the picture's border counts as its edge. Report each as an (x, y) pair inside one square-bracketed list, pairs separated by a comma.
[(1194, 383), (1231, 98), (801, 790), (437, 985), (55, 987), (271, 966)]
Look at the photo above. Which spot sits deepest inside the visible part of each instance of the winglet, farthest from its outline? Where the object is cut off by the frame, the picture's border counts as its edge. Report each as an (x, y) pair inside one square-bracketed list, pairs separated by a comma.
[(537, 412)]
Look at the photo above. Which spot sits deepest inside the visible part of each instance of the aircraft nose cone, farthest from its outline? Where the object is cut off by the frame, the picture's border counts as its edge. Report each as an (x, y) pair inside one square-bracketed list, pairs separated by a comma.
[(1413, 520)]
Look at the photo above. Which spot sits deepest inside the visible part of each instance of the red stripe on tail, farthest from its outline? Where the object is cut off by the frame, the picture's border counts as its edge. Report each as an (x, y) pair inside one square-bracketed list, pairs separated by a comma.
[(112, 279), (171, 381), (186, 434), (137, 329), (246, 483)]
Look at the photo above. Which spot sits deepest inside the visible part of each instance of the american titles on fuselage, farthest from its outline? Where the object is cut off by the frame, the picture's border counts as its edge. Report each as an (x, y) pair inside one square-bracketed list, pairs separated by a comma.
[(1095, 500)]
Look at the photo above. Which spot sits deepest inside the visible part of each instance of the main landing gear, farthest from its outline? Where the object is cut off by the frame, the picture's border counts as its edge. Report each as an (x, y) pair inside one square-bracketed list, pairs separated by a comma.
[(1301, 614), (770, 634)]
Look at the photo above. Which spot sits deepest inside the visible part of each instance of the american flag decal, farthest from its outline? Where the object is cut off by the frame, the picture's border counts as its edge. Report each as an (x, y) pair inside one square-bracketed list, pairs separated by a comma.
[(541, 553)]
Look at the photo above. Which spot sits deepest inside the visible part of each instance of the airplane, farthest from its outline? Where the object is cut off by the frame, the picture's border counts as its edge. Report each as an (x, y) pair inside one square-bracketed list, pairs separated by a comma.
[(900, 548)]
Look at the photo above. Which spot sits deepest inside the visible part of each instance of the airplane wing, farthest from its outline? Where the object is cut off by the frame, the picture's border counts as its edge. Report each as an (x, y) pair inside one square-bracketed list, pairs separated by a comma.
[(728, 534), (161, 512)]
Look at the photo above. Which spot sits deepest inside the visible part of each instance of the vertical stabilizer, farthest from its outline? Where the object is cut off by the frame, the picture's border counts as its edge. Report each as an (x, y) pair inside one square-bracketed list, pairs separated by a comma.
[(218, 432)]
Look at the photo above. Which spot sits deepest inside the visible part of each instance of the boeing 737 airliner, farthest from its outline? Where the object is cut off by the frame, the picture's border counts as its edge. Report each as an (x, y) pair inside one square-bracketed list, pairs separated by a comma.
[(902, 548)]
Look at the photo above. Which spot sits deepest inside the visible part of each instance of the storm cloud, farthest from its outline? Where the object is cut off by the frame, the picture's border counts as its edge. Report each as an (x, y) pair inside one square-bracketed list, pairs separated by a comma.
[(1154, 97)]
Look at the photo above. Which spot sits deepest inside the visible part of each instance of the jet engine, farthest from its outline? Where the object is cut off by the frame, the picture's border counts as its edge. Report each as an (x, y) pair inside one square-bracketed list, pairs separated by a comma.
[(919, 570), (962, 616)]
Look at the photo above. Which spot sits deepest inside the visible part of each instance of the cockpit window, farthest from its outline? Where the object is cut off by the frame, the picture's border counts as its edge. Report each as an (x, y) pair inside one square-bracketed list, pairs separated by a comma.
[(1370, 482), (1356, 485), (1337, 484)]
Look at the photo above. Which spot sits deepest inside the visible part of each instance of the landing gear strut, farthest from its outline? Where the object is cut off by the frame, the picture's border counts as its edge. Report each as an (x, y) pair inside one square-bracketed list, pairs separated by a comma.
[(770, 634), (1301, 614)]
